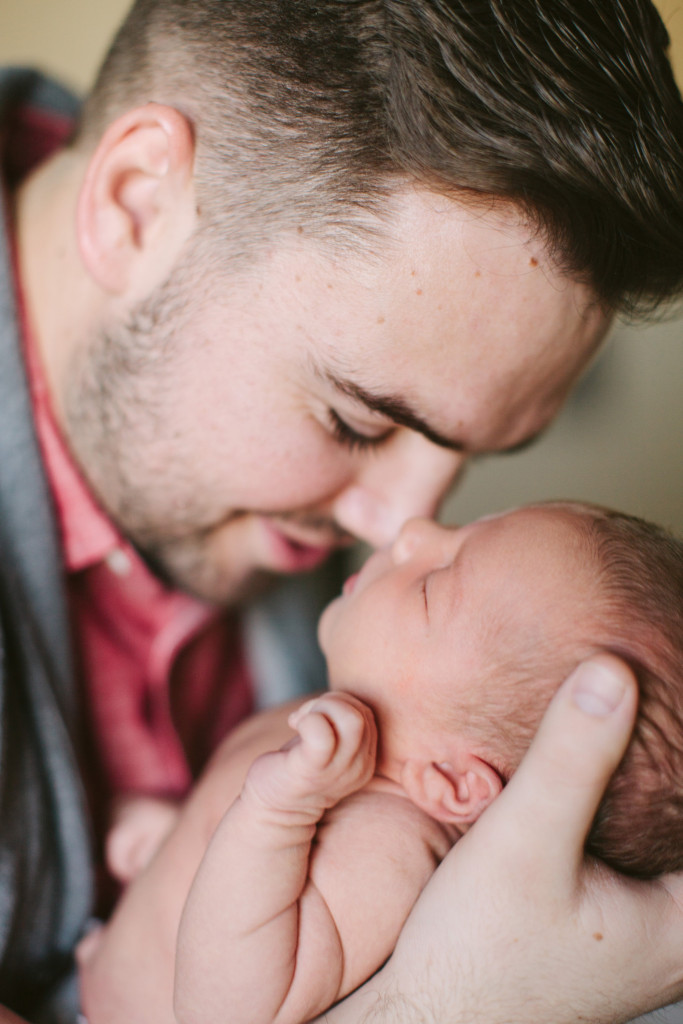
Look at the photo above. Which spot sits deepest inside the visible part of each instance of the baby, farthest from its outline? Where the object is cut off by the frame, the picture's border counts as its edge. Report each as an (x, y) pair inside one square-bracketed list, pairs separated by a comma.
[(448, 647)]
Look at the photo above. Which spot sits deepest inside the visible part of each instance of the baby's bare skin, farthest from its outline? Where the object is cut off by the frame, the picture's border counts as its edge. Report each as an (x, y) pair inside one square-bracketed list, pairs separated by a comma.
[(256, 871), (349, 903)]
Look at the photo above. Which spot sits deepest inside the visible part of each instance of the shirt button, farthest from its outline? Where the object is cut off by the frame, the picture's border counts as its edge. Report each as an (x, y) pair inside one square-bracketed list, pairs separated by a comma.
[(118, 562)]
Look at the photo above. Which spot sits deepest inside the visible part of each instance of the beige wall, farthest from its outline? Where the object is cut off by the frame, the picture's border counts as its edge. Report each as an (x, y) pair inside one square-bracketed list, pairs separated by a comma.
[(672, 14), (64, 37), (618, 442)]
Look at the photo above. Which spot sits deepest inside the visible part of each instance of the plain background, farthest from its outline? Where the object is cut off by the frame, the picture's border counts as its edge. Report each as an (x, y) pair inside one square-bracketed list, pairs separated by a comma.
[(618, 442)]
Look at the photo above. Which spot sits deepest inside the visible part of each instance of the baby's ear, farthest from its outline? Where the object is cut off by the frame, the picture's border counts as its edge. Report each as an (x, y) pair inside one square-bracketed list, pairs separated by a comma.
[(448, 793)]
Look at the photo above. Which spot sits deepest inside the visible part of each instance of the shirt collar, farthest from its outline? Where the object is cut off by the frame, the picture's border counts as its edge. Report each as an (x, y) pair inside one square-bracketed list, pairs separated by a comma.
[(88, 535)]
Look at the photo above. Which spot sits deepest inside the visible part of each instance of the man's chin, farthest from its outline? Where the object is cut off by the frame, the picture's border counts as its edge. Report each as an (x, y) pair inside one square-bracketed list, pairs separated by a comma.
[(235, 594), (238, 562), (205, 583)]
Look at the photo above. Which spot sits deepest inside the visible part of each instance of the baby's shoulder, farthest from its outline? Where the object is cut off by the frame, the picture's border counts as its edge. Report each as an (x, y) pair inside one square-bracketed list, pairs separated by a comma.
[(381, 819), (372, 855)]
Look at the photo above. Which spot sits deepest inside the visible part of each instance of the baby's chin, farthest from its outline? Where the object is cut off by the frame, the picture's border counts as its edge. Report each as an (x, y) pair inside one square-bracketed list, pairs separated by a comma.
[(326, 625)]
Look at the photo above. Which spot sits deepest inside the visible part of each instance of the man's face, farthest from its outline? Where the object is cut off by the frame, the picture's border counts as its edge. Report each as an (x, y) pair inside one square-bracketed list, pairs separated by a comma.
[(439, 622), (245, 425)]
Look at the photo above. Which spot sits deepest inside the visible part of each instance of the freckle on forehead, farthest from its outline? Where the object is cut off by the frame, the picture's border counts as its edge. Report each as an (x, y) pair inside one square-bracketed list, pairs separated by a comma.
[(380, 319), (533, 262), (418, 291)]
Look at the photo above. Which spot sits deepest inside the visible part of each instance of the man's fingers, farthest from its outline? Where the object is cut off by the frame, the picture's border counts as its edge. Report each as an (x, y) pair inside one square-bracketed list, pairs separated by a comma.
[(551, 801)]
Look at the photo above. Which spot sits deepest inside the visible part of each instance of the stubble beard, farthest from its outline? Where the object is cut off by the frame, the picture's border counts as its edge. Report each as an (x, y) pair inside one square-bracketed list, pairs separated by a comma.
[(116, 411)]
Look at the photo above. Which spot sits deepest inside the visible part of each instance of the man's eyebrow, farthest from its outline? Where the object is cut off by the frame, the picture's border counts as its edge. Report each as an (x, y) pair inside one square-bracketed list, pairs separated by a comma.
[(394, 408)]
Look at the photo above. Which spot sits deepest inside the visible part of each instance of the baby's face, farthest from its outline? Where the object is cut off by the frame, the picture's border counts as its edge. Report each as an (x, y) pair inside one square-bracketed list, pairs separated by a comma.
[(427, 621)]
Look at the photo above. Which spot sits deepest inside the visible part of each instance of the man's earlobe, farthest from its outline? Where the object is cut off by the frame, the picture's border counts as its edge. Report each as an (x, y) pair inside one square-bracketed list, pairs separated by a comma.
[(450, 793), (136, 205)]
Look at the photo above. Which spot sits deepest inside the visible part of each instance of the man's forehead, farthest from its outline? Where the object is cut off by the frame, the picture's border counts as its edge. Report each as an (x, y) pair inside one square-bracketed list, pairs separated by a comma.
[(457, 327), (483, 235)]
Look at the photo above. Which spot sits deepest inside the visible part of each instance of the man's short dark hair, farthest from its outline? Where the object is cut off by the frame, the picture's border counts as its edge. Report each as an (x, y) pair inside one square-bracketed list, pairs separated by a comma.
[(308, 112)]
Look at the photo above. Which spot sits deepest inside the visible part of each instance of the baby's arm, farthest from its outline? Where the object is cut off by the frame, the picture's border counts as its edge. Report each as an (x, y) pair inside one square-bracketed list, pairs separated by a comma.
[(257, 939), (127, 971)]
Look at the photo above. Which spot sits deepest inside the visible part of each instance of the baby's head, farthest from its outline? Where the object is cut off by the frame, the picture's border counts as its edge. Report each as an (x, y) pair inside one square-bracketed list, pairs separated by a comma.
[(459, 638)]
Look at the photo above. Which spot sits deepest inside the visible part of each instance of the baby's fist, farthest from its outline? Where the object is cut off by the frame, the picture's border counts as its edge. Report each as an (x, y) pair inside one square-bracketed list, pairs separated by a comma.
[(336, 748)]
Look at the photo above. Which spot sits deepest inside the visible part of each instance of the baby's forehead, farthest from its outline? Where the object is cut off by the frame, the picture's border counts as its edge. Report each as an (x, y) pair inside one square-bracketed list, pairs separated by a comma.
[(557, 524), (535, 549), (535, 579)]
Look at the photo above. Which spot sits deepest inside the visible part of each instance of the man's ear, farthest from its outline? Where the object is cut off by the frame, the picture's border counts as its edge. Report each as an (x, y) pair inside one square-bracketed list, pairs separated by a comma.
[(136, 206), (448, 793)]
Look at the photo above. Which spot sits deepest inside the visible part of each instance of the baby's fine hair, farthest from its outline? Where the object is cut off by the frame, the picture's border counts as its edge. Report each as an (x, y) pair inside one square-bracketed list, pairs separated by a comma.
[(639, 826), (635, 612)]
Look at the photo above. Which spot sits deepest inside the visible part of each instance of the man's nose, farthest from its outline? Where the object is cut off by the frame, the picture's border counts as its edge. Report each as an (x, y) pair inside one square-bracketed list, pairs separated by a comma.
[(409, 479), (416, 535)]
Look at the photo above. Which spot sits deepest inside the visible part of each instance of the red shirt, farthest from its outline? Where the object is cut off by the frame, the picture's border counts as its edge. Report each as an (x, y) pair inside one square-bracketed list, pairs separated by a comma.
[(163, 675)]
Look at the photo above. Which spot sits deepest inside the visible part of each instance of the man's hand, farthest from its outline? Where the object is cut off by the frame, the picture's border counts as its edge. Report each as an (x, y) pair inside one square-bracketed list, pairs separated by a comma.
[(332, 756), (516, 926)]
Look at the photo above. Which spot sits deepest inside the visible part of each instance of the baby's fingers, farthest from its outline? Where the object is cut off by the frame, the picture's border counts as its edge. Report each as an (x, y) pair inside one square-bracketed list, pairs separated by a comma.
[(318, 737), (339, 731)]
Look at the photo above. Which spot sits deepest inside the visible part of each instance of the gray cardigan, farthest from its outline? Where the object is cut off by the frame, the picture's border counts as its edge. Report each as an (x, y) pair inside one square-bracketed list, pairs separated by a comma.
[(45, 868), (45, 849)]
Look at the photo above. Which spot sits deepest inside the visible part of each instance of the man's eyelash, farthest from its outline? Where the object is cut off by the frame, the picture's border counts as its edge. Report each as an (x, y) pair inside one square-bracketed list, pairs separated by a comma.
[(423, 591), (350, 438)]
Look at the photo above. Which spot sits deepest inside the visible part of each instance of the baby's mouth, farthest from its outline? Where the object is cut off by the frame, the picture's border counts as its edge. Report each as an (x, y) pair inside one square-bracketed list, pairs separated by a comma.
[(350, 584)]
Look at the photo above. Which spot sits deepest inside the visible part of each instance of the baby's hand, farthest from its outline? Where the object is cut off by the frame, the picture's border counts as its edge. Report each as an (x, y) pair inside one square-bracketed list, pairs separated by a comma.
[(332, 756)]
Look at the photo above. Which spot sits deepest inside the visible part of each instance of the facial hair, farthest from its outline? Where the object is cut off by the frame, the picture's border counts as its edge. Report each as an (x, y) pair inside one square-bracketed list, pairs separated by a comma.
[(119, 425), (116, 404)]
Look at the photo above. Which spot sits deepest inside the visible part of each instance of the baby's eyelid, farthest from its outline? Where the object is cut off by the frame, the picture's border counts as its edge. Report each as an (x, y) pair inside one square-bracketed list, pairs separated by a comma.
[(423, 591)]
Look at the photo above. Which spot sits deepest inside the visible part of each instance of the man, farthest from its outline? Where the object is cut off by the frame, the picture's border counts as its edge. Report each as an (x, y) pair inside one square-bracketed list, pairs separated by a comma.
[(296, 264)]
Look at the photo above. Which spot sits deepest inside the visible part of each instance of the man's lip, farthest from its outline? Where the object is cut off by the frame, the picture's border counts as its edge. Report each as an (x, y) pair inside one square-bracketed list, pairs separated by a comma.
[(292, 552)]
